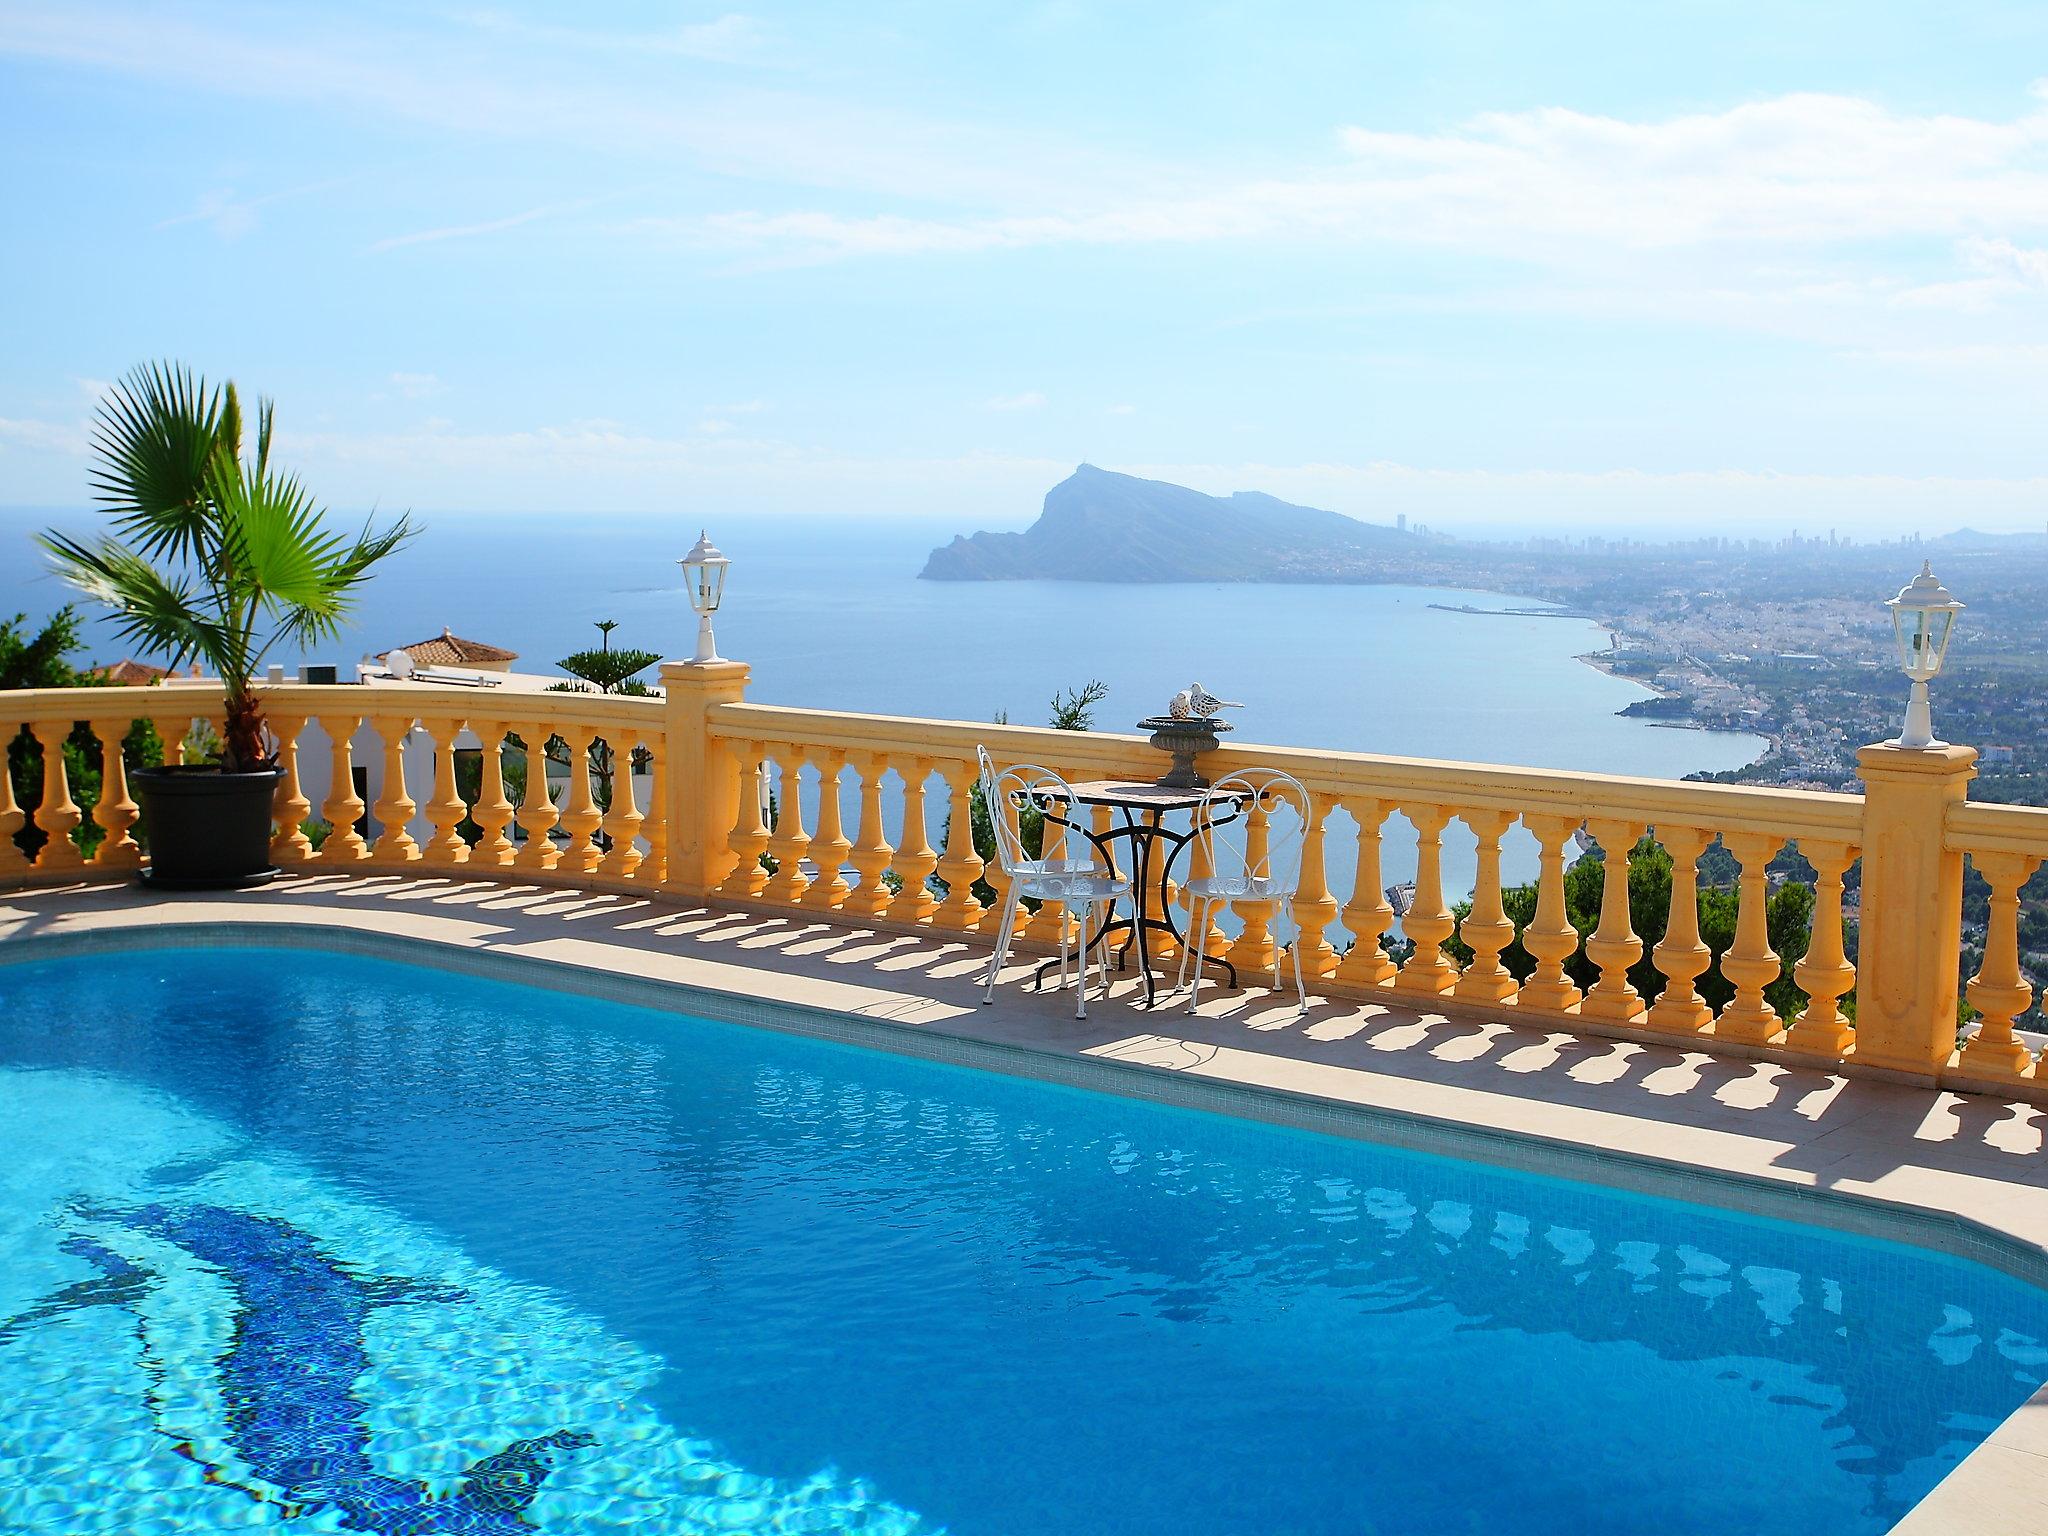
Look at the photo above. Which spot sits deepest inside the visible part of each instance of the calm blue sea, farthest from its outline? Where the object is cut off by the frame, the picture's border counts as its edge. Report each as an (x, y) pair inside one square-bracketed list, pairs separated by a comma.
[(831, 615), (420, 1253)]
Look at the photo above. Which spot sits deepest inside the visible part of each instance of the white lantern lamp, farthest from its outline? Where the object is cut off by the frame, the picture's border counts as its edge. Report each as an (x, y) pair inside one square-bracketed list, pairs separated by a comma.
[(704, 575), (1923, 615)]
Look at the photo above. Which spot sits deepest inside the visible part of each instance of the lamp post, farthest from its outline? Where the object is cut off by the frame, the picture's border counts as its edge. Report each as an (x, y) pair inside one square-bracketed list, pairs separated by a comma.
[(1923, 616), (704, 575)]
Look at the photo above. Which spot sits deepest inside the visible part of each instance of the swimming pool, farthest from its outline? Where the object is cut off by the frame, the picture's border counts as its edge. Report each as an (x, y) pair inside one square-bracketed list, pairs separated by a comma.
[(401, 1251)]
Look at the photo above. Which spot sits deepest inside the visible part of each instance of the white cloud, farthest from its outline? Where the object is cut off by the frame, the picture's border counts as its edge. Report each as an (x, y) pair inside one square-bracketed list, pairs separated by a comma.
[(417, 386), (1119, 410), (1029, 400), (729, 39), (484, 227)]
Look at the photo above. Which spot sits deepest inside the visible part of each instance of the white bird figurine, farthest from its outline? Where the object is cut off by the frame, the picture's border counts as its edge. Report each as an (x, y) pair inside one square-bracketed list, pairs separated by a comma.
[(1205, 704), (1181, 707)]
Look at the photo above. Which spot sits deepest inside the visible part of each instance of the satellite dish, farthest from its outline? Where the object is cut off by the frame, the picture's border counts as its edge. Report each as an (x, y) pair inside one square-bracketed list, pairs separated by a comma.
[(398, 663)]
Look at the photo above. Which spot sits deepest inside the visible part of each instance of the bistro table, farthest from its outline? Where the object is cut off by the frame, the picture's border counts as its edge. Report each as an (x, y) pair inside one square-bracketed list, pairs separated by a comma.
[(1154, 845)]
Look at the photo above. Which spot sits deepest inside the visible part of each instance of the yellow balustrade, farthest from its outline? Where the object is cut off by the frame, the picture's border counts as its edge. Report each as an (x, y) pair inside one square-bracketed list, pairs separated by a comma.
[(694, 828), (1550, 937), (1429, 921), (343, 807), (1824, 973), (58, 813), (1314, 907), (748, 877), (394, 807), (445, 848), (790, 843), (13, 862), (1613, 945), (871, 847), (1682, 956), (623, 818), (580, 815), (289, 808), (492, 812), (537, 813), (830, 846), (916, 860), (2000, 990), (1486, 929), (117, 812), (1751, 964), (959, 866), (1367, 916)]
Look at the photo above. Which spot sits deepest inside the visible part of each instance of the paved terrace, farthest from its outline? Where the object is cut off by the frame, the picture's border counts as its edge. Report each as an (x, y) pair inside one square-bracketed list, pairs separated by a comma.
[(1437, 1080)]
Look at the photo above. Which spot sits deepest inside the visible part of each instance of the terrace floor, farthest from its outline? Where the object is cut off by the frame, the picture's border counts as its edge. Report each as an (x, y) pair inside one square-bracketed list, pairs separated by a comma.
[(1682, 1118)]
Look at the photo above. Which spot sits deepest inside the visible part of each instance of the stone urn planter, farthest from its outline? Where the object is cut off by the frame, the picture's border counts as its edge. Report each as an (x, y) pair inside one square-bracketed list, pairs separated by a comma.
[(208, 829), (1185, 740)]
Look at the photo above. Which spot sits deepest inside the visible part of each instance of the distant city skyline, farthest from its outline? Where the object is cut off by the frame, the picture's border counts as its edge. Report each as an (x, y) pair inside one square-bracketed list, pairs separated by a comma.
[(1497, 268)]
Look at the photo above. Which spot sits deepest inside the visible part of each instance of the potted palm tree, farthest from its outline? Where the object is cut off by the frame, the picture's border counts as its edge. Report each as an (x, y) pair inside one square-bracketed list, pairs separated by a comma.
[(215, 557)]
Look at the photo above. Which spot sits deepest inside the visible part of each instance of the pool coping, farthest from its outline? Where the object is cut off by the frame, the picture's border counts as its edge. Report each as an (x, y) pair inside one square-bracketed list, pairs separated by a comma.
[(2001, 1485)]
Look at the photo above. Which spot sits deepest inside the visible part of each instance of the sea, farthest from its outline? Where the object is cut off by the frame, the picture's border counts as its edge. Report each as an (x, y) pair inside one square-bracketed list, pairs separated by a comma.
[(830, 614)]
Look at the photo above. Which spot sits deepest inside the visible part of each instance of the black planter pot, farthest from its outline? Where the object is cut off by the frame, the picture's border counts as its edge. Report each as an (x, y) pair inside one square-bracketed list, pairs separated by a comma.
[(208, 830)]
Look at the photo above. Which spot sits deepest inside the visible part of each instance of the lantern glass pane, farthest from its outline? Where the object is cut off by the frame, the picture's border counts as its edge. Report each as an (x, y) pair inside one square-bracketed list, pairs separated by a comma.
[(1942, 622), (711, 582)]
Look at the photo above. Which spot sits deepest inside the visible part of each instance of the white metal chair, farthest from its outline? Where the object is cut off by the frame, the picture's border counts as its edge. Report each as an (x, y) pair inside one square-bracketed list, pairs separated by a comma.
[(1251, 857), (1080, 885)]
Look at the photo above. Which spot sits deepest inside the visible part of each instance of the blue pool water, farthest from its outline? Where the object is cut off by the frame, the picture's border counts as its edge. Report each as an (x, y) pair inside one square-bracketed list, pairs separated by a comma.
[(387, 1250)]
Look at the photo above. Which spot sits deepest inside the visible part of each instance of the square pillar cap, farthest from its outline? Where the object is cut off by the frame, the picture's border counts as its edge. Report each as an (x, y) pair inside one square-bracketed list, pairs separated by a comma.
[(1942, 760)]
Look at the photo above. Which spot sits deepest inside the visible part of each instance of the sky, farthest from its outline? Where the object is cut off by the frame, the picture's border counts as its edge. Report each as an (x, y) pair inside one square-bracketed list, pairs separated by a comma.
[(1501, 267)]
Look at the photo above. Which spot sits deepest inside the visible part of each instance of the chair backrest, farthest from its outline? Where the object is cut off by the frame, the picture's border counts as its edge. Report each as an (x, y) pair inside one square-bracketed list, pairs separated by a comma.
[(1239, 832), (1011, 791)]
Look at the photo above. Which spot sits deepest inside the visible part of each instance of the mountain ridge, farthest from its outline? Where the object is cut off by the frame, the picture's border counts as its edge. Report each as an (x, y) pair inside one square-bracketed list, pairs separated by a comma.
[(1099, 525)]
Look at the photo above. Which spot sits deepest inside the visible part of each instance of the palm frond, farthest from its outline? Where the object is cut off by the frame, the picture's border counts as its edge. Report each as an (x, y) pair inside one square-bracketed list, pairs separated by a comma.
[(272, 538), (158, 613), (346, 571), (153, 439)]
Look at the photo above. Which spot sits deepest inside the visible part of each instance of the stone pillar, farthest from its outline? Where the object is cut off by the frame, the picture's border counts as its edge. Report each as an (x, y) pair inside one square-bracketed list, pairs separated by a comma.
[(1911, 935), (698, 775)]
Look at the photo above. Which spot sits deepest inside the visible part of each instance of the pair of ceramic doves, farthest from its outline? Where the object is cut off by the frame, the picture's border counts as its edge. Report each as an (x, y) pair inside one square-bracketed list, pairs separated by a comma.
[(1196, 702)]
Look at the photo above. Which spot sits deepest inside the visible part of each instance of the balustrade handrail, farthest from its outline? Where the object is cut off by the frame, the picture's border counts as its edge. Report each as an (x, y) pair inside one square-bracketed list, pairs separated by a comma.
[(1984, 827), (1791, 813), (438, 701)]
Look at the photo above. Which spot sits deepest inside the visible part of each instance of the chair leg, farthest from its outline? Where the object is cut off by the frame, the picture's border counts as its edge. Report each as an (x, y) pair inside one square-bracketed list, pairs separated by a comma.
[(995, 961), (1198, 935), (1300, 991), (1081, 964)]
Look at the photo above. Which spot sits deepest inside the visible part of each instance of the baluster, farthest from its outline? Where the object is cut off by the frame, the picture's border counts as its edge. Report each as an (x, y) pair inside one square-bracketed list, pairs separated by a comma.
[(1044, 926), (748, 839), (1366, 915), (171, 732), (1550, 938), (654, 819), (916, 861), (1253, 949), (871, 848), (537, 813), (789, 842), (446, 810), (343, 807), (961, 866), (1751, 965), (622, 821), (1314, 907), (831, 845), (1999, 991), (12, 819), (117, 811), (289, 807), (1613, 945), (493, 810), (1487, 929), (58, 813), (1429, 921), (1681, 956), (580, 816), (394, 807), (1824, 973)]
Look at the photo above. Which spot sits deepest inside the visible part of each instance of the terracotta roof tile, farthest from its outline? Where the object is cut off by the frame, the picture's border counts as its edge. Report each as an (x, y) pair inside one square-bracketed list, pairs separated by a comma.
[(450, 650)]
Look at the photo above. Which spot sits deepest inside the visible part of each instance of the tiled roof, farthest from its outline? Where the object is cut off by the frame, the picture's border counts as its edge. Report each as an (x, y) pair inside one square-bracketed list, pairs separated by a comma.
[(448, 650), (131, 672)]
